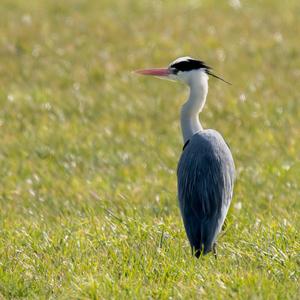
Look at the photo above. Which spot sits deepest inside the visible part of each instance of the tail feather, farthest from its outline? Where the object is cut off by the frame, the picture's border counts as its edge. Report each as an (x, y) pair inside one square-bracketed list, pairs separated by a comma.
[(201, 234)]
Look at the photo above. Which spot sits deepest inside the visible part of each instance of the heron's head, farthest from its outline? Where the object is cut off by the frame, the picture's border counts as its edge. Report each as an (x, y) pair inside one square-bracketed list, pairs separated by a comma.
[(184, 69)]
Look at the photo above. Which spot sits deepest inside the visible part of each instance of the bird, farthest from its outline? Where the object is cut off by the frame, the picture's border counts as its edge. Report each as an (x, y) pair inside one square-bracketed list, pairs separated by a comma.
[(206, 169)]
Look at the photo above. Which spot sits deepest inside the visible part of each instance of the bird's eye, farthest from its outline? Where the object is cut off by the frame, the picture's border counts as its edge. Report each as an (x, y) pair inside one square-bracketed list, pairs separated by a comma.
[(174, 70)]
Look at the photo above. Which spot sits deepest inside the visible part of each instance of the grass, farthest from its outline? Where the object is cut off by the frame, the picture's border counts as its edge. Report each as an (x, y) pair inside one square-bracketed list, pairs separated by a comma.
[(88, 150)]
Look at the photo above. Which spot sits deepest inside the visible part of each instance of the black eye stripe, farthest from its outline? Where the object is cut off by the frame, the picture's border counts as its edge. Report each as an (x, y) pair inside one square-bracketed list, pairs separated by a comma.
[(188, 65)]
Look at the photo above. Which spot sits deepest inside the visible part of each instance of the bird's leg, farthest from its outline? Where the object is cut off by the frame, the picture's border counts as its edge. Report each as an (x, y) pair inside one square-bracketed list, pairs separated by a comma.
[(215, 250), (196, 252), (224, 226)]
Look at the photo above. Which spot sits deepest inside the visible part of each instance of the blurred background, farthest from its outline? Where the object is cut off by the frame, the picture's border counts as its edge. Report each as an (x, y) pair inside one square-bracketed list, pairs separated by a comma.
[(83, 138)]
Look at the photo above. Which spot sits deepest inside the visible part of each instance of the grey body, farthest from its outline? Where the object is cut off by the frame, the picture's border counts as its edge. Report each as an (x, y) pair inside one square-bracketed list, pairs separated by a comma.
[(205, 186)]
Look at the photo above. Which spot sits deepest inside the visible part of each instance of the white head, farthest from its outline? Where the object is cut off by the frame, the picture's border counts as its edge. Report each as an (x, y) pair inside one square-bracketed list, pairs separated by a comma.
[(185, 69), (188, 70)]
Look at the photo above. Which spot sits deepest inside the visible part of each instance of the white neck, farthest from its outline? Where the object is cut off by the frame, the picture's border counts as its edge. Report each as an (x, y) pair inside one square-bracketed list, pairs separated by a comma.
[(190, 110)]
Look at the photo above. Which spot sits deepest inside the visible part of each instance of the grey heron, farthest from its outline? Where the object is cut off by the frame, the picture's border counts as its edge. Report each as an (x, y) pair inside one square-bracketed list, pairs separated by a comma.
[(206, 168)]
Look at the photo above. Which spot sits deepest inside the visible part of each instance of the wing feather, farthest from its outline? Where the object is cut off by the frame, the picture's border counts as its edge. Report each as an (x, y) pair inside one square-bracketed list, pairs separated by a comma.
[(205, 182)]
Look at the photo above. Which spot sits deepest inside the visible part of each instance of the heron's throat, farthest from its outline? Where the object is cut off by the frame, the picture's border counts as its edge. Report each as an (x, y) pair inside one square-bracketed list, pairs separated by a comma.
[(190, 123)]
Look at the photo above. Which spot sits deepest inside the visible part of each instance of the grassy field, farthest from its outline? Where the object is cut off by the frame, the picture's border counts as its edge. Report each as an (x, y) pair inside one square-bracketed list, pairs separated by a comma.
[(88, 150)]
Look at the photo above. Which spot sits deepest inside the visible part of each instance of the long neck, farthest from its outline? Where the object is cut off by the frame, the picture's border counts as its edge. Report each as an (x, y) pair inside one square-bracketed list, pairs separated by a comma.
[(190, 110)]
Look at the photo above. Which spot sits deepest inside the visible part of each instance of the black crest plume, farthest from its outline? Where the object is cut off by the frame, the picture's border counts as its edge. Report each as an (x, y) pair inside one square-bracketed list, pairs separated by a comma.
[(193, 64)]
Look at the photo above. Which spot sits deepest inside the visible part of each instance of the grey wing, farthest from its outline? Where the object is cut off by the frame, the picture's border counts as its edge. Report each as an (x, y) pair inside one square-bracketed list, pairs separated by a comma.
[(205, 183)]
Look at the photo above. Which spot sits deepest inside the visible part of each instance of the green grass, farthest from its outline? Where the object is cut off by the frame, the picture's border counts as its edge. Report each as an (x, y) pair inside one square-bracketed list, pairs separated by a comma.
[(88, 150)]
